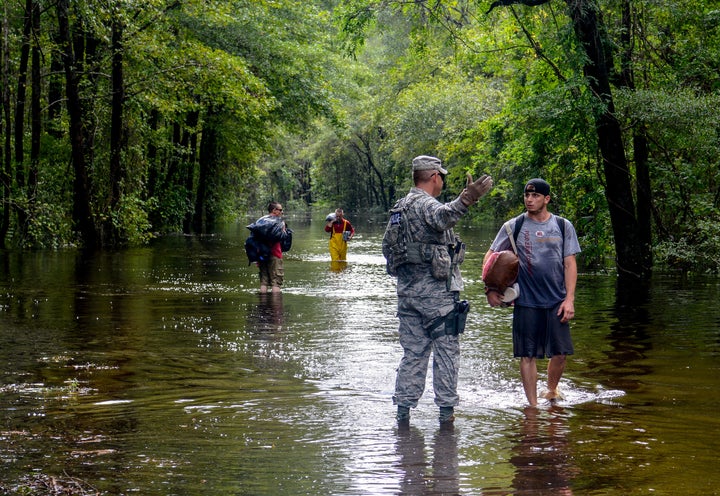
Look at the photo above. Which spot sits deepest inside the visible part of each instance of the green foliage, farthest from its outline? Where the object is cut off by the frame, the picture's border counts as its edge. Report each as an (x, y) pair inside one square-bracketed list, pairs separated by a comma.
[(328, 102), (684, 127), (49, 224), (48, 227), (697, 251), (131, 221), (169, 209), (254, 66)]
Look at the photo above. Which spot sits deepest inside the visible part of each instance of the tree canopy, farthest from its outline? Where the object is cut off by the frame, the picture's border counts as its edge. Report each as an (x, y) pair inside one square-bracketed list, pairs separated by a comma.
[(123, 120)]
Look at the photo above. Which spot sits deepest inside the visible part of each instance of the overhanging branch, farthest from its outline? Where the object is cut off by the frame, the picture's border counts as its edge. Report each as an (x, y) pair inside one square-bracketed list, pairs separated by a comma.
[(505, 3)]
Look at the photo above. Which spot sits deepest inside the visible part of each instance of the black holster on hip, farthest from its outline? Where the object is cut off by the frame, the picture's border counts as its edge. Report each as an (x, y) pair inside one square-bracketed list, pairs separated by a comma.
[(453, 323)]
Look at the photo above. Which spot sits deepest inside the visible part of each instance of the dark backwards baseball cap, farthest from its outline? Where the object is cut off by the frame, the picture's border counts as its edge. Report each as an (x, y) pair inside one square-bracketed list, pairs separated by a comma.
[(537, 185)]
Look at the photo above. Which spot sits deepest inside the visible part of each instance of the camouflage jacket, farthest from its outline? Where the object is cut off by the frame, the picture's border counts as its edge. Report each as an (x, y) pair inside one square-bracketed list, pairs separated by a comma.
[(428, 222)]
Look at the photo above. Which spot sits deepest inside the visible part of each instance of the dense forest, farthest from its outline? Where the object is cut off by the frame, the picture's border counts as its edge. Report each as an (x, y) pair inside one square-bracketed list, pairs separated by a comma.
[(124, 120)]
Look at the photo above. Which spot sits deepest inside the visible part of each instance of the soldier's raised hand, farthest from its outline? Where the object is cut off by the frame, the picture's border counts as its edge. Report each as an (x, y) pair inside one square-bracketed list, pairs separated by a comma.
[(474, 190)]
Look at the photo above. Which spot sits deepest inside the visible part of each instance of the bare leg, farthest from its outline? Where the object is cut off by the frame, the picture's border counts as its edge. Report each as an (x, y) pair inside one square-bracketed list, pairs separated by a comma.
[(276, 289), (555, 369), (529, 375), (263, 288)]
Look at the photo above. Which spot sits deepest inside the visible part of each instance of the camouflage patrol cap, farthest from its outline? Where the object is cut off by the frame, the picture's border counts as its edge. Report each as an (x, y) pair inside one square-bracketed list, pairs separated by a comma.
[(425, 162)]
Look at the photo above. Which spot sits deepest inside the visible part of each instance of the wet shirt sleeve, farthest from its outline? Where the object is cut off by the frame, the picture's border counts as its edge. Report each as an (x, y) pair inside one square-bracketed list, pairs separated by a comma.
[(434, 220)]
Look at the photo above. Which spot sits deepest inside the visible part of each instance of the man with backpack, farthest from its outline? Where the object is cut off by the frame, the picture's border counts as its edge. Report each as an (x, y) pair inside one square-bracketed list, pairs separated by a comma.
[(546, 247), (269, 238)]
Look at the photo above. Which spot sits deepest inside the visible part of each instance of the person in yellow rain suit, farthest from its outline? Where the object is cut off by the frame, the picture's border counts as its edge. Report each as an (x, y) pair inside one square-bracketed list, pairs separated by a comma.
[(341, 231)]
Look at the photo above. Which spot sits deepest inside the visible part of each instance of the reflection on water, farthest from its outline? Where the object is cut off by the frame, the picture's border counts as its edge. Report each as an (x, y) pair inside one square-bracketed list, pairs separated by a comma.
[(266, 318), (630, 340), (338, 265), (161, 370), (541, 455), (419, 475)]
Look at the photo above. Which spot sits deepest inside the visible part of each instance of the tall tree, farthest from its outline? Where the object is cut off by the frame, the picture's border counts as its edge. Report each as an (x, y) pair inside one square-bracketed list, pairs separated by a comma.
[(633, 259), (35, 110), (117, 124), (639, 135), (19, 121), (82, 213), (633, 254), (6, 168)]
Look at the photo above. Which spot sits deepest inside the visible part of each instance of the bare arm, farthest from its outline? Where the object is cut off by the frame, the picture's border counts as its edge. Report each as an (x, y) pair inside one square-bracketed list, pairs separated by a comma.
[(567, 307)]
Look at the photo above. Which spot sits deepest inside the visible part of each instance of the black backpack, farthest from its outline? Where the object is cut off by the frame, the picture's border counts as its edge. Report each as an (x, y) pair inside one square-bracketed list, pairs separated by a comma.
[(256, 250), (286, 241)]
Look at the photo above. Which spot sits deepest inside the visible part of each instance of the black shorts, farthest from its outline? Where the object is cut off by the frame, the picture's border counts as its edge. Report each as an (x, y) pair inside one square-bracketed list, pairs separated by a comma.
[(538, 332)]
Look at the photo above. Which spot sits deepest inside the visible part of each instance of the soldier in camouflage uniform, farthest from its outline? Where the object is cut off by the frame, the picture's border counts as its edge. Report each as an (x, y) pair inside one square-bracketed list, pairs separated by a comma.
[(424, 253)]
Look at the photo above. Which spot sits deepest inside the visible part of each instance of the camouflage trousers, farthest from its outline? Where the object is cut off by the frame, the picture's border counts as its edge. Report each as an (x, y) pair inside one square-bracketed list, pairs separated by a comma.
[(417, 346)]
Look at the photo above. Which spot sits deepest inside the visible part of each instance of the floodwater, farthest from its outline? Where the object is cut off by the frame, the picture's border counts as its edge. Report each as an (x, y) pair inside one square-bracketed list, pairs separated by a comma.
[(162, 371)]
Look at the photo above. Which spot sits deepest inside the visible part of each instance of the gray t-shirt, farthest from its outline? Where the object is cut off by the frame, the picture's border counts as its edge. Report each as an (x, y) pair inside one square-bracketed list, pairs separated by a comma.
[(541, 252)]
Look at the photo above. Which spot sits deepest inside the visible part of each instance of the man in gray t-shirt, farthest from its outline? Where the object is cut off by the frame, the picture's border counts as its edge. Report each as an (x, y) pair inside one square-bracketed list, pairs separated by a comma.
[(546, 246)]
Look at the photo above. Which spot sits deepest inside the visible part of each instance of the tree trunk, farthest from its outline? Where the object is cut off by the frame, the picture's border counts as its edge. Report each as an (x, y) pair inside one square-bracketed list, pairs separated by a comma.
[(20, 115), (81, 201), (644, 193), (629, 248), (203, 217), (85, 58), (189, 145), (306, 181), (173, 169), (366, 156), (152, 159), (55, 93), (640, 142), (5, 170), (117, 134), (35, 112)]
